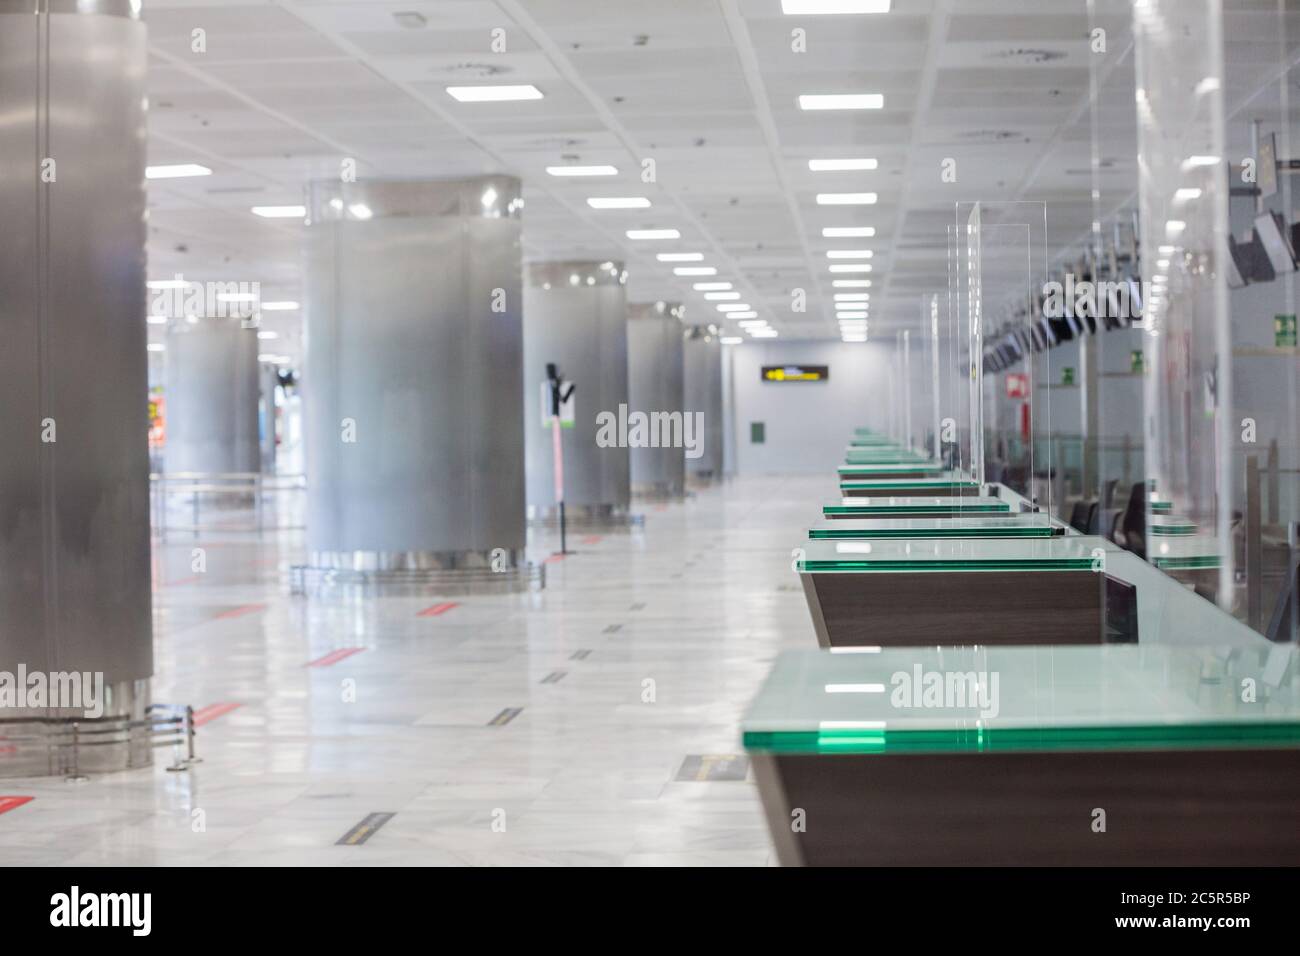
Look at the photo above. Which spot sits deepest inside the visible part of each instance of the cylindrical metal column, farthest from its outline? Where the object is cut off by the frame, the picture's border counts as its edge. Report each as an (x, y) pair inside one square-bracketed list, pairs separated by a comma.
[(74, 477), (212, 391), (575, 316), (269, 382), (702, 357), (413, 383), (656, 391)]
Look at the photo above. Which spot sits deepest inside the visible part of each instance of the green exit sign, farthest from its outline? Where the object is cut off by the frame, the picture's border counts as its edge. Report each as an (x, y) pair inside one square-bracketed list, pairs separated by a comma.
[(1284, 331)]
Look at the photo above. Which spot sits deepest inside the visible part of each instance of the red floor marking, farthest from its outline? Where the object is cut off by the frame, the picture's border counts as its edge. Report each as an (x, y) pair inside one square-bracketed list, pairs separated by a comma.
[(437, 609), (240, 611), (13, 803), (555, 557), (181, 581), (212, 712), (591, 539), (661, 507), (333, 657)]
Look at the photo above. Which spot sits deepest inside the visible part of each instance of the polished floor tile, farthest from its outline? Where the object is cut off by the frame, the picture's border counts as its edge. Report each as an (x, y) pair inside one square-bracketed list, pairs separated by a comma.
[(644, 649)]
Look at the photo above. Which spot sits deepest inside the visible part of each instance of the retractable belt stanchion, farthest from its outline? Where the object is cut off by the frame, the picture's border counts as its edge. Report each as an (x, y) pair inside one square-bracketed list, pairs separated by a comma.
[(561, 392)]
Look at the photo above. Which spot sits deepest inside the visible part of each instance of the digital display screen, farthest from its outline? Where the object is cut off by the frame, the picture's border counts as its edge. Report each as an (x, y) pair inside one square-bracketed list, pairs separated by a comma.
[(796, 373)]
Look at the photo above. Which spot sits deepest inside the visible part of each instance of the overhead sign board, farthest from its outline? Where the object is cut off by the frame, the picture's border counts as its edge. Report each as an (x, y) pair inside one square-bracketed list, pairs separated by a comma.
[(796, 373)]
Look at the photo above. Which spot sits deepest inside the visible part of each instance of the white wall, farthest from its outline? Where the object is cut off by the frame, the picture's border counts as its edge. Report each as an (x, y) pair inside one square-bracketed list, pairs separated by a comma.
[(808, 424)]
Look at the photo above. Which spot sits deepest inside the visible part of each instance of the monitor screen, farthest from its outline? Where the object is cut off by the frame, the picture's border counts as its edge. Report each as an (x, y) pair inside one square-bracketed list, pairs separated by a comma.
[(1237, 266), (1275, 237)]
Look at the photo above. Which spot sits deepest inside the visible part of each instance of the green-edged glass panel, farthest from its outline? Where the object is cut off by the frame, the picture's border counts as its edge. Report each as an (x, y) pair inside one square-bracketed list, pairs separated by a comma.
[(939, 505), (989, 526), (1074, 553), (999, 699)]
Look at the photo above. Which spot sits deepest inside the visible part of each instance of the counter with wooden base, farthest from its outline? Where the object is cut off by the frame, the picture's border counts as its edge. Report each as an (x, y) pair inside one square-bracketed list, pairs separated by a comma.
[(1057, 756)]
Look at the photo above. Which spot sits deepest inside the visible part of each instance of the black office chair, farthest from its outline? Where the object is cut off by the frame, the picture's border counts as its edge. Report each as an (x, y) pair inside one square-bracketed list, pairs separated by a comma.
[(1108, 493), (1079, 517), (1131, 531), (1094, 518), (1109, 521)]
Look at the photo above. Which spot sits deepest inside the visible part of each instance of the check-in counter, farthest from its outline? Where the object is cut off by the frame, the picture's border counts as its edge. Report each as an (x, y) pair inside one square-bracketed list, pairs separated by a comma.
[(886, 456), (892, 469), (996, 591), (908, 506), (1107, 755), (950, 485), (975, 526), (872, 441)]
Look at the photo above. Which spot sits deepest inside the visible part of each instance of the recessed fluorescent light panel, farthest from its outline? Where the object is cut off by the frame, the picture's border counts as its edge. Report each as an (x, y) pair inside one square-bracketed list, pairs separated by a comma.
[(280, 212), (618, 202), (733, 307), (680, 256), (721, 296), (850, 254), (731, 340), (410, 19), (850, 267), (809, 8), (582, 170), (494, 94), (711, 286), (178, 171), (288, 305), (695, 271), (841, 101), (840, 165), (846, 199), (742, 315), (848, 232), (851, 284), (653, 234), (852, 296)]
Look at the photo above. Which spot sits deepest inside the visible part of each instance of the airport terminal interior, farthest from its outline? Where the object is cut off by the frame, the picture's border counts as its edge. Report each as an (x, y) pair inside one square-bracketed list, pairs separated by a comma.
[(612, 433)]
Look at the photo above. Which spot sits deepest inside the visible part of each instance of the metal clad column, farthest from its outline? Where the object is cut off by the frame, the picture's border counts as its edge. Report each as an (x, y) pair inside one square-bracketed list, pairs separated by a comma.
[(655, 384), (269, 378), (413, 383), (212, 391), (575, 315), (74, 478), (703, 390)]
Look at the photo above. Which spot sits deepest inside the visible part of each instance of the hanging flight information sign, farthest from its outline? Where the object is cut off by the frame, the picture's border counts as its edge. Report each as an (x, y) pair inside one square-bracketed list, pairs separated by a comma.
[(796, 373)]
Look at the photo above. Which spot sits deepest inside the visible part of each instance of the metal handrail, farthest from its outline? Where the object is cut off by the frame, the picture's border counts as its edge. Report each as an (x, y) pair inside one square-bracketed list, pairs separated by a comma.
[(196, 483), (168, 731)]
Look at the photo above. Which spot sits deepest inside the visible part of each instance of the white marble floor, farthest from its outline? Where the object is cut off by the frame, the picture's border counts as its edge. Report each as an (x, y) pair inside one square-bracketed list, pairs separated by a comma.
[(694, 607)]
